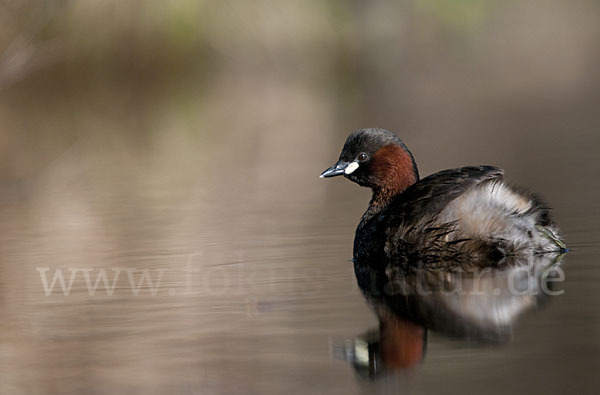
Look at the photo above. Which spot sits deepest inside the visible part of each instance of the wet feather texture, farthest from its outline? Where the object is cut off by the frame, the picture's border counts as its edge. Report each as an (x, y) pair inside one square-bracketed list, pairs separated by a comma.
[(464, 215)]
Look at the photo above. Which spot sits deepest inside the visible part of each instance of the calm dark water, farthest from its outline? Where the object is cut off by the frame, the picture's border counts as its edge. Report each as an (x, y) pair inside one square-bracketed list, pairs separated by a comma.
[(189, 199), (257, 293)]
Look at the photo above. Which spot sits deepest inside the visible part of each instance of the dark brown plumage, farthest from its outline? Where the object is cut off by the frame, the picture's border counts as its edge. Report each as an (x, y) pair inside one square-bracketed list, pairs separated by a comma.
[(467, 214)]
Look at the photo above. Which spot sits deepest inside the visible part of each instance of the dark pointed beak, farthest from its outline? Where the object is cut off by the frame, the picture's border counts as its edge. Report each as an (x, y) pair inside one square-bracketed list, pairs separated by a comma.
[(335, 170)]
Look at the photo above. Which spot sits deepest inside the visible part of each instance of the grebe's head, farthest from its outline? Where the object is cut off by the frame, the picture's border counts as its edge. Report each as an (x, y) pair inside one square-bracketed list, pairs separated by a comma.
[(378, 159)]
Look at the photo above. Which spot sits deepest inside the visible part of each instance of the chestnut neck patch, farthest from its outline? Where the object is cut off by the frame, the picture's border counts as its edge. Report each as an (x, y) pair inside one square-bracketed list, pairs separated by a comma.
[(393, 170)]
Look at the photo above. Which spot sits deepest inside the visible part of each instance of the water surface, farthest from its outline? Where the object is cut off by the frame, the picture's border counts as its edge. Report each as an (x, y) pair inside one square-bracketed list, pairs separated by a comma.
[(204, 180)]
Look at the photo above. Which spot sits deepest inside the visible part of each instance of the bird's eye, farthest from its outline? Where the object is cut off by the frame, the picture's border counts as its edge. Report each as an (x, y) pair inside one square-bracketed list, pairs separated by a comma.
[(362, 157)]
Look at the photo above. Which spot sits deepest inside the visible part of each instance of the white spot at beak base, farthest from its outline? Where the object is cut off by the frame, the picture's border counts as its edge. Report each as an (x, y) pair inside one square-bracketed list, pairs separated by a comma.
[(351, 168)]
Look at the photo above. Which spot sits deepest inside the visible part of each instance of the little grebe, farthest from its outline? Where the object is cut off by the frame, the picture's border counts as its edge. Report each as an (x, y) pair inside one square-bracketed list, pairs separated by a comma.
[(464, 214)]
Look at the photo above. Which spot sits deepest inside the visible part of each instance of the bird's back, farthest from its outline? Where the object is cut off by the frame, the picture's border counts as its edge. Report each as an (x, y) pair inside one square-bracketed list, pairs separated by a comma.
[(464, 214)]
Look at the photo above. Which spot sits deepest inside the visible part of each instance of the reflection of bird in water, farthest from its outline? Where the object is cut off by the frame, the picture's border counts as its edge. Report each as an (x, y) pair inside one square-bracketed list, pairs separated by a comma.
[(480, 305), (459, 252), (396, 346), (458, 215)]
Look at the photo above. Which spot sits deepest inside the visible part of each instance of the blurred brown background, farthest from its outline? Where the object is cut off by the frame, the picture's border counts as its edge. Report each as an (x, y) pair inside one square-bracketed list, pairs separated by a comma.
[(143, 133)]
